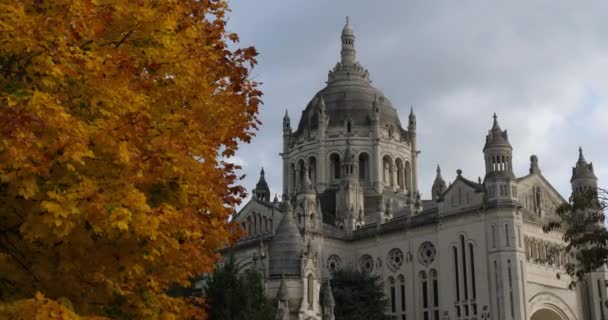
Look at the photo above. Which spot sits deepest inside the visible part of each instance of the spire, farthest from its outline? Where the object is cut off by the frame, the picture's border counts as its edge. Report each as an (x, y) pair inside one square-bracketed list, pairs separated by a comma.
[(286, 122), (439, 186), (495, 125), (412, 120), (583, 173), (262, 192), (581, 158), (348, 52)]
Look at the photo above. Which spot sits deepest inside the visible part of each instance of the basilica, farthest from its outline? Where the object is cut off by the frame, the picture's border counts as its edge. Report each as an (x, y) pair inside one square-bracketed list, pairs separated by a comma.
[(474, 250)]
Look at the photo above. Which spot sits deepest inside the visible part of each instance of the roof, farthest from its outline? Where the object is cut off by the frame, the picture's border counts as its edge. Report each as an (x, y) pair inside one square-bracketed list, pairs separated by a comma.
[(286, 248)]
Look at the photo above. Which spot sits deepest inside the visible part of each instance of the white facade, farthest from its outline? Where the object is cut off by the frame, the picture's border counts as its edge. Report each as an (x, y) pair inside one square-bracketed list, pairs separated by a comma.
[(476, 250)]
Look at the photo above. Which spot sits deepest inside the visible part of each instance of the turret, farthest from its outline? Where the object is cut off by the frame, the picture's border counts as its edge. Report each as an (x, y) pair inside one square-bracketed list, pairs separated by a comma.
[(349, 201), (439, 186), (286, 246), (498, 152), (500, 184), (348, 53), (261, 191), (286, 123), (347, 165), (583, 176)]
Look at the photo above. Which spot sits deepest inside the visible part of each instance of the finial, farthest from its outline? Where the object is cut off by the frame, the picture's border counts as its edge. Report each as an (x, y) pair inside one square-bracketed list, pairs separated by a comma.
[(262, 172), (479, 180), (459, 172), (286, 114), (347, 20), (438, 170)]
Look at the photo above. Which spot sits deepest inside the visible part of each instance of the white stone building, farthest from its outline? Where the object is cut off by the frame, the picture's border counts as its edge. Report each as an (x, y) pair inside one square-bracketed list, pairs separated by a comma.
[(475, 250)]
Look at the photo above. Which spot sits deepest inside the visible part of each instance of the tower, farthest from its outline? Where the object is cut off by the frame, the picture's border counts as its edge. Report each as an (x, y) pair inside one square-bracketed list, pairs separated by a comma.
[(439, 186), (583, 177), (584, 180), (499, 179), (261, 191), (348, 53)]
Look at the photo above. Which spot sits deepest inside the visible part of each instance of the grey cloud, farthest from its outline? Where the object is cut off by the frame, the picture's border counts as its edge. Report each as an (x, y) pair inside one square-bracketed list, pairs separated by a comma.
[(535, 63)]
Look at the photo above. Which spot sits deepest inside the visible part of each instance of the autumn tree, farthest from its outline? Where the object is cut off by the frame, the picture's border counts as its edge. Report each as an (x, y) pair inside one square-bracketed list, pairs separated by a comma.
[(582, 221), (116, 120), (358, 295)]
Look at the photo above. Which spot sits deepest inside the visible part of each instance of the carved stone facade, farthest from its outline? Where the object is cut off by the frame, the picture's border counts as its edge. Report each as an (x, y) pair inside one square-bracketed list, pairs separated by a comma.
[(475, 250)]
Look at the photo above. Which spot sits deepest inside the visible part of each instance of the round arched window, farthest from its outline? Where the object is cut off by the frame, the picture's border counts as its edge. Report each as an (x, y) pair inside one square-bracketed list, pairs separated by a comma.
[(395, 259), (366, 263), (426, 253), (334, 263)]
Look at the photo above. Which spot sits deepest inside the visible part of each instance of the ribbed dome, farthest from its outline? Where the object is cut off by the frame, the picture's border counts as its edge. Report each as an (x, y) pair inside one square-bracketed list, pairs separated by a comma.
[(286, 248), (348, 95), (349, 99)]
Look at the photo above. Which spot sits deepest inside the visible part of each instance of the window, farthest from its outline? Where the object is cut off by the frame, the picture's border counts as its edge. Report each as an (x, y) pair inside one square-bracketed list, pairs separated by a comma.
[(435, 295), (402, 295), (335, 166), (311, 291), (395, 259), (363, 166), (507, 234), (392, 293), (366, 263), (425, 295)]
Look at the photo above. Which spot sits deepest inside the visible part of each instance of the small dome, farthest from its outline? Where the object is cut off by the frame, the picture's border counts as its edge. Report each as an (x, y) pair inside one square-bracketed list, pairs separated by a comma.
[(583, 170), (348, 29), (286, 248)]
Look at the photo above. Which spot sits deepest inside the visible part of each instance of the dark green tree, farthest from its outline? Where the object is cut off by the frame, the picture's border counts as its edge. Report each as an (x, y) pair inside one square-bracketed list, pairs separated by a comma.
[(582, 221), (231, 295), (358, 295)]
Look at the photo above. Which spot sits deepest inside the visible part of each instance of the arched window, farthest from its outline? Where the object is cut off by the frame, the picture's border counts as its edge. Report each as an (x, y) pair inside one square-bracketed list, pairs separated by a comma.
[(292, 176), (391, 132), (400, 175), (473, 275), (402, 294), (311, 290), (424, 295), (408, 177), (391, 281), (363, 166), (387, 165), (312, 169), (435, 285), (300, 172), (335, 166)]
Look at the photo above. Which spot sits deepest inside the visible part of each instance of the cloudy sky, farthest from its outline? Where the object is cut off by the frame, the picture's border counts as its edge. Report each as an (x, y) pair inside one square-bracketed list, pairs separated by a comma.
[(542, 66)]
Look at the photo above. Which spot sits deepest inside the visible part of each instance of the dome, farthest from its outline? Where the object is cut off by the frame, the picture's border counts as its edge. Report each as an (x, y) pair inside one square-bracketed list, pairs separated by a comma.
[(348, 95), (348, 29)]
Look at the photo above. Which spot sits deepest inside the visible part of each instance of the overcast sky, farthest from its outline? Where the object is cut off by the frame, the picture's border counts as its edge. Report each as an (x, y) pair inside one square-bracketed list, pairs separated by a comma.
[(542, 66)]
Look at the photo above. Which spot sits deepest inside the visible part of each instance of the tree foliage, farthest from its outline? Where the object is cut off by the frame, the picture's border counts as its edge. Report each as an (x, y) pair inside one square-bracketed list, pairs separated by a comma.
[(231, 296), (114, 118), (582, 220), (358, 295)]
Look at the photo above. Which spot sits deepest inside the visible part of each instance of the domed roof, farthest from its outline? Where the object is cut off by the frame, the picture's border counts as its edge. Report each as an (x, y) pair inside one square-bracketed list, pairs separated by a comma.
[(286, 248), (348, 95), (497, 138), (583, 170), (348, 29)]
